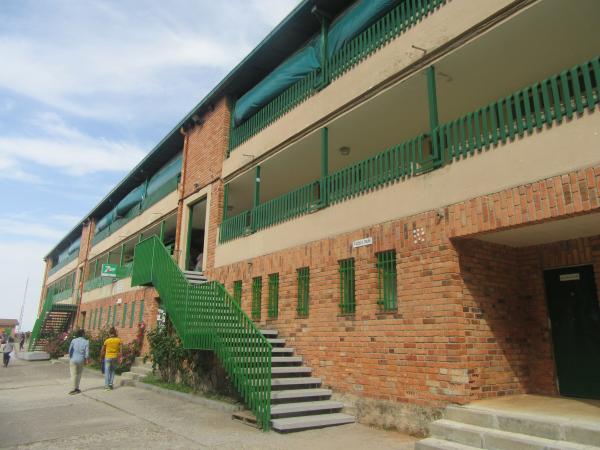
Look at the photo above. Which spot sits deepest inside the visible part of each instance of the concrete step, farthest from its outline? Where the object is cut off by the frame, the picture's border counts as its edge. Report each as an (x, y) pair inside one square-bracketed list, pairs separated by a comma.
[(544, 426), (440, 444), (269, 333), (295, 381), (482, 437), (286, 359), (276, 341), (292, 370), (141, 370), (300, 393), (313, 421), (279, 350), (304, 408)]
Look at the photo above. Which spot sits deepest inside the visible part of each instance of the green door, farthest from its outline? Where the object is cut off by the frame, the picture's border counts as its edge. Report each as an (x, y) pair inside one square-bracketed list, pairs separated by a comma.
[(575, 320)]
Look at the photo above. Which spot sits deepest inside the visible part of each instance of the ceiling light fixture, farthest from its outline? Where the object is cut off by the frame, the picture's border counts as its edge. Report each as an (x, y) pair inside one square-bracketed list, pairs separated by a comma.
[(344, 150)]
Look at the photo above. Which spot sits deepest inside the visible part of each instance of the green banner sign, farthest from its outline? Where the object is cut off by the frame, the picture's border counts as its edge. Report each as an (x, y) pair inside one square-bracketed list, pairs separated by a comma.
[(109, 270)]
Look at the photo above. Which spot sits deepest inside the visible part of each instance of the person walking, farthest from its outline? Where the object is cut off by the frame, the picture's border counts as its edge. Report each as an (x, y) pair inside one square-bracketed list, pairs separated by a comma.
[(9, 346), (79, 354), (113, 353), (22, 342)]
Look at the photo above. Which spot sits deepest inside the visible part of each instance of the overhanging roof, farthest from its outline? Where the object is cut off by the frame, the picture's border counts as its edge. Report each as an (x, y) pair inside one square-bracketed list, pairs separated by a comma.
[(287, 37)]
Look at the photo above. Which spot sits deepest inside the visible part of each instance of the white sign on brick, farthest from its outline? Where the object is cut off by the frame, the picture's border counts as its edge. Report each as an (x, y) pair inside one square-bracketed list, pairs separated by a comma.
[(362, 242)]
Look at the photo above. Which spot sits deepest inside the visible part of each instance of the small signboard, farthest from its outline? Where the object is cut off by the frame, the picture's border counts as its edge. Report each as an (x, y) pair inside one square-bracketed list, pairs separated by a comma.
[(362, 242), (109, 270), (570, 277)]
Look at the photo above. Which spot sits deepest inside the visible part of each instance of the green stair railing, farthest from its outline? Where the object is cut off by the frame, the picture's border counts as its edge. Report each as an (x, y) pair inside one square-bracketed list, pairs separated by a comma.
[(398, 20), (47, 308), (206, 317)]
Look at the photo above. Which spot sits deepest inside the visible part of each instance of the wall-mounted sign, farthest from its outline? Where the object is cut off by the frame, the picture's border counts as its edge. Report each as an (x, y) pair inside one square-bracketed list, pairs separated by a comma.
[(109, 270), (570, 277), (362, 242)]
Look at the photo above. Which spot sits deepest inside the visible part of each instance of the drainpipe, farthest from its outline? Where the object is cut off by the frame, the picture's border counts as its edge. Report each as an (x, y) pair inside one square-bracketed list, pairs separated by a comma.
[(433, 115), (324, 166)]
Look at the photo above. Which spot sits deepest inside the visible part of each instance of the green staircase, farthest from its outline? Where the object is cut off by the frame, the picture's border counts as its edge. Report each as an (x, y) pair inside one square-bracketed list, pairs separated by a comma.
[(54, 319), (206, 317)]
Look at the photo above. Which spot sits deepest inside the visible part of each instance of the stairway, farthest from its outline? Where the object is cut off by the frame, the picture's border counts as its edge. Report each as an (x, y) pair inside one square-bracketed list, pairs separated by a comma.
[(195, 277), (54, 321), (139, 369), (297, 400), (468, 428)]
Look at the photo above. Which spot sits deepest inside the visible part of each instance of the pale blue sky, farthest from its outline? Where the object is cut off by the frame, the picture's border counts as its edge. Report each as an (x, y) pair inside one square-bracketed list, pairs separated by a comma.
[(87, 88)]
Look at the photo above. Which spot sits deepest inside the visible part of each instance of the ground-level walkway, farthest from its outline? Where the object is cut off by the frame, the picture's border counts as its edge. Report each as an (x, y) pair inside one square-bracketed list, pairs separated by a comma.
[(37, 413)]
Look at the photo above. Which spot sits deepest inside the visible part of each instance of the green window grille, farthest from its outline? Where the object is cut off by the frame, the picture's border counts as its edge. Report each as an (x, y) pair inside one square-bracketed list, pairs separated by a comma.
[(132, 315), (114, 317), (347, 289), (109, 316), (273, 295), (124, 318), (256, 297), (141, 319), (387, 280), (95, 318), (100, 318), (237, 291), (303, 291), (90, 320)]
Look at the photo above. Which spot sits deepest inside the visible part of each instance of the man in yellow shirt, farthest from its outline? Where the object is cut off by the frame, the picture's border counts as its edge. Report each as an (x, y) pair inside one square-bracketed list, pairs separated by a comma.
[(113, 352)]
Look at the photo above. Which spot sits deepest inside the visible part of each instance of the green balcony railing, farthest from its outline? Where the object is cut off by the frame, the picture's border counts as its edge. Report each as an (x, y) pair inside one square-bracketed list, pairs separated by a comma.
[(97, 282), (550, 101), (64, 295), (402, 17), (560, 97), (206, 317), (63, 263)]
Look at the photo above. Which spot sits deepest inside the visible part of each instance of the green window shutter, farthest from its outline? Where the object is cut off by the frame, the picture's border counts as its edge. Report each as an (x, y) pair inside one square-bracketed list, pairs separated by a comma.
[(273, 295), (108, 316), (237, 291), (256, 297), (387, 281), (141, 319), (132, 315), (90, 319), (303, 291), (347, 291), (100, 318), (95, 318), (124, 318), (114, 317)]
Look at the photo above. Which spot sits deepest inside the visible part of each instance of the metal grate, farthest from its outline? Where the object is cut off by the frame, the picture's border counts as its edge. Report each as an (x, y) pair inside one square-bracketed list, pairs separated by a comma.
[(256, 297), (100, 318), (347, 288), (273, 307), (237, 291), (108, 316), (124, 318), (114, 317), (132, 315), (387, 280), (303, 291), (141, 319)]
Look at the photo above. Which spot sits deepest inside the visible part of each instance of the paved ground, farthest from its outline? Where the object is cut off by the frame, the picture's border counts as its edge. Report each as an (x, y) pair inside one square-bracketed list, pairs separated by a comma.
[(36, 413)]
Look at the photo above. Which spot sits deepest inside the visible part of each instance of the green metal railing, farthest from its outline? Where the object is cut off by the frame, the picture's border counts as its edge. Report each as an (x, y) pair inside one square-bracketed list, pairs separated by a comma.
[(347, 286), (256, 297), (206, 317), (387, 281), (393, 164), (237, 291), (273, 306), (303, 275), (63, 295), (391, 25), (292, 204), (550, 101), (557, 98), (97, 282), (48, 307), (134, 212)]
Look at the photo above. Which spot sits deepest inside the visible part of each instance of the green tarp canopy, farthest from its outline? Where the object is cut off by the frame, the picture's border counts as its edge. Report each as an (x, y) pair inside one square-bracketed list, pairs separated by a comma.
[(132, 199), (286, 74), (343, 29), (165, 174), (354, 20)]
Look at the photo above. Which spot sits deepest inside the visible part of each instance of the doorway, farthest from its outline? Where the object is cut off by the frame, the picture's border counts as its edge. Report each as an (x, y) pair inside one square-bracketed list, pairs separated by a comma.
[(575, 321), (195, 256)]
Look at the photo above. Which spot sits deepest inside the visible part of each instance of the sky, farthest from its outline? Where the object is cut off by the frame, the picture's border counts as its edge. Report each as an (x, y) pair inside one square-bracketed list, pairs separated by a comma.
[(87, 89)]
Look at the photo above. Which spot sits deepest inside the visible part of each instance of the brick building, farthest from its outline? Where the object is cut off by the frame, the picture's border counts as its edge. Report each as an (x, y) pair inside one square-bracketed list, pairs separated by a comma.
[(408, 192)]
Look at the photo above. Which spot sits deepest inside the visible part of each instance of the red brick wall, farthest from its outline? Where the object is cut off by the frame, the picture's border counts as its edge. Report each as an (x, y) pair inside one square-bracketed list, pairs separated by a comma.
[(126, 333)]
